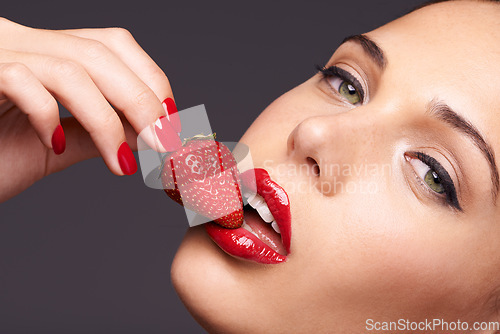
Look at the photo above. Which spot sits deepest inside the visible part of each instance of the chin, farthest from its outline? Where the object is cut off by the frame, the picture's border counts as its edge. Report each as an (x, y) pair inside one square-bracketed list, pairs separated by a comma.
[(220, 291), (201, 276), (192, 275)]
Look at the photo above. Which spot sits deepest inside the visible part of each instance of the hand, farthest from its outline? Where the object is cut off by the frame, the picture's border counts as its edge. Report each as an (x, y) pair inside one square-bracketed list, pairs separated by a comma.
[(88, 71)]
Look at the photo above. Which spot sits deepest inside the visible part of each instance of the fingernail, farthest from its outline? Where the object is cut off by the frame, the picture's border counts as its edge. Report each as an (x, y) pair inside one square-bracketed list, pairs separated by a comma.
[(58, 140), (126, 159), (167, 135), (173, 114)]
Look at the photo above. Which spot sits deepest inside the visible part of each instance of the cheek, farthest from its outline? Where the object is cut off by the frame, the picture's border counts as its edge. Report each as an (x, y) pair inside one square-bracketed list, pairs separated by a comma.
[(273, 126), (375, 258)]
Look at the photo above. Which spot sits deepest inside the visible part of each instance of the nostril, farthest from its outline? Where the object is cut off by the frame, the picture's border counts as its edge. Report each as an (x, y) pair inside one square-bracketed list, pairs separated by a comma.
[(314, 166)]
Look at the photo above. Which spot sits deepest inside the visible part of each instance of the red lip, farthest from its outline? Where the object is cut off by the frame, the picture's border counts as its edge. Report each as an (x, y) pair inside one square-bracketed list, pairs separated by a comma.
[(242, 243)]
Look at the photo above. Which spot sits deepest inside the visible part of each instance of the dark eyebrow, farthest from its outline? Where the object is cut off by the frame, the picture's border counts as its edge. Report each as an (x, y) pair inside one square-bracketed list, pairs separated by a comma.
[(445, 113), (370, 47)]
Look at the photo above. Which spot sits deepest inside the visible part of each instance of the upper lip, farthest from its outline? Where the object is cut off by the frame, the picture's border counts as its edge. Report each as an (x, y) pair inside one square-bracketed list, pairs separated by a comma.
[(258, 180)]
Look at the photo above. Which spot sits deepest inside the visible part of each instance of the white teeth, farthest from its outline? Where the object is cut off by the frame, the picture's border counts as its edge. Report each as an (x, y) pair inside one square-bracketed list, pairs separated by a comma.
[(258, 203), (255, 200), (275, 227), (265, 213)]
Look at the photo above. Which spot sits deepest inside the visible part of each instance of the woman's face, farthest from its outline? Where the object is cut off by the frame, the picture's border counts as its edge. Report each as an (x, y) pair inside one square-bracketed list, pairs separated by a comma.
[(400, 219)]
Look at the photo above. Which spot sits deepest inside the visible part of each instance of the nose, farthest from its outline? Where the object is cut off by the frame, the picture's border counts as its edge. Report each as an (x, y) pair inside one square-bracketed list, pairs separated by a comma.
[(329, 147)]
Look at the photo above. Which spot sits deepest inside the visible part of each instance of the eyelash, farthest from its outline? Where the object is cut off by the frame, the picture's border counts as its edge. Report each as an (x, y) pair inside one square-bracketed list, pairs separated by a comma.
[(334, 71), (444, 177)]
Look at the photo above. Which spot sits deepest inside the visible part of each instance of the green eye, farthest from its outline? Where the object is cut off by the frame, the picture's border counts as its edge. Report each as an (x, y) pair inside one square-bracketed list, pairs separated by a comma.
[(434, 178), (433, 181), (348, 91), (344, 83)]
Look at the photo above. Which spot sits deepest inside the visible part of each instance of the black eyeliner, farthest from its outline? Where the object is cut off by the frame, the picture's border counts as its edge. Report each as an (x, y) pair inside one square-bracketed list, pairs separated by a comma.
[(444, 177), (342, 74)]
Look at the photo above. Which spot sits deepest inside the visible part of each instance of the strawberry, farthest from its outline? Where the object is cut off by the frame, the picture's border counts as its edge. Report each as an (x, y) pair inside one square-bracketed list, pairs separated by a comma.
[(202, 176)]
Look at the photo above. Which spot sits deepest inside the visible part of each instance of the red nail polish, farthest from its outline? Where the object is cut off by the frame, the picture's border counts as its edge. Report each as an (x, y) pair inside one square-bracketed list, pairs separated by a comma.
[(58, 140), (126, 159), (167, 135), (173, 114)]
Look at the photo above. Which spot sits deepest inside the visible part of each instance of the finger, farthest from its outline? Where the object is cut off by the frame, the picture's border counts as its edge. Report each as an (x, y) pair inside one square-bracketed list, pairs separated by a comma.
[(117, 82), (81, 145), (21, 87), (73, 87), (121, 42), (172, 114), (125, 47)]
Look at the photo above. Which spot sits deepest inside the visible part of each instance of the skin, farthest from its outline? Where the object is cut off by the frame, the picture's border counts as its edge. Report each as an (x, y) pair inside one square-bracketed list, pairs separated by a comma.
[(88, 71), (396, 252)]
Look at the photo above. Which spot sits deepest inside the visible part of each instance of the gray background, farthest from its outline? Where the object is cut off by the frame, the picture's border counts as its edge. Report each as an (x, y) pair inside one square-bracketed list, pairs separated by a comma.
[(84, 251)]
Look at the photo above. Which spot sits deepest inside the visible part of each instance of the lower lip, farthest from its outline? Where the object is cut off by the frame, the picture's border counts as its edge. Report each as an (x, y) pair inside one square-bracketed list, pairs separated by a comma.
[(242, 243)]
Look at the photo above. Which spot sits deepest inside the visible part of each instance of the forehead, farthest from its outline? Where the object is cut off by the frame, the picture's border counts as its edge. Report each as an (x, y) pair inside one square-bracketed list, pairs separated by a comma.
[(466, 32), (449, 51)]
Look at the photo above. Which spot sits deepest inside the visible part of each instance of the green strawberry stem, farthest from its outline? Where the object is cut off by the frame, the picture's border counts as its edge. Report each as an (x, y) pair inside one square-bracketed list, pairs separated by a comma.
[(199, 136)]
